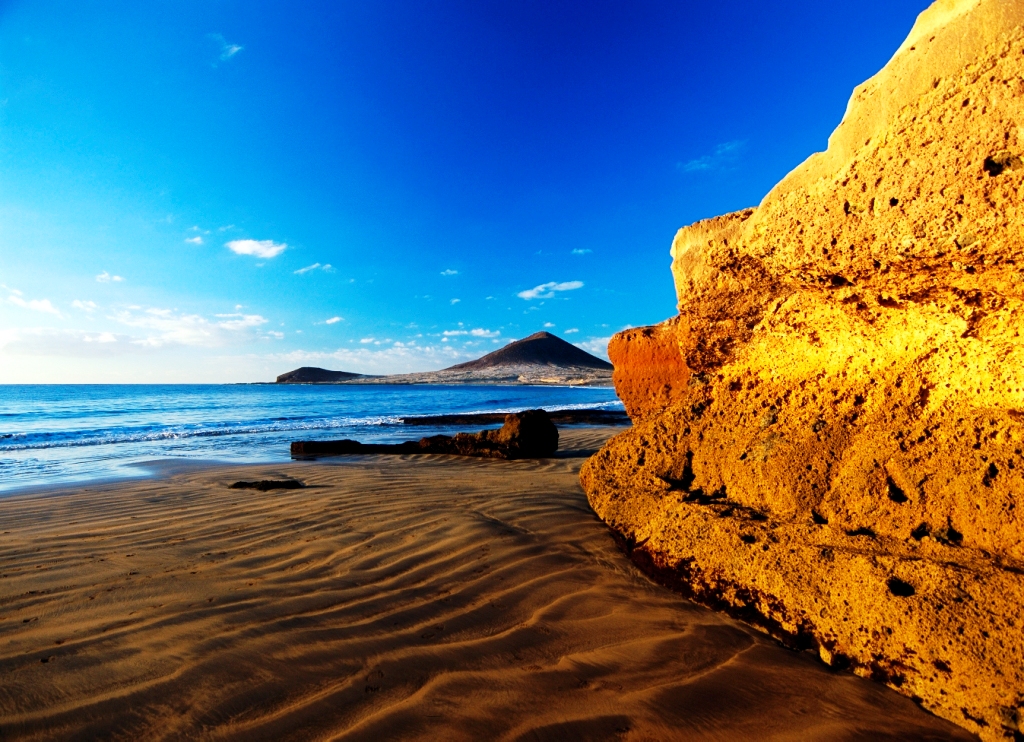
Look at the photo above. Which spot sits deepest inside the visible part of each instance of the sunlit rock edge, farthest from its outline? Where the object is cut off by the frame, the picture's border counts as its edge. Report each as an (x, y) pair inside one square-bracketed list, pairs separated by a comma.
[(828, 438)]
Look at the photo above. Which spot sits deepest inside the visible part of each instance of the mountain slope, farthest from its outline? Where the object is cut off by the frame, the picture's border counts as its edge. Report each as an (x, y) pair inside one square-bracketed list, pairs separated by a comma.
[(539, 349), (541, 358)]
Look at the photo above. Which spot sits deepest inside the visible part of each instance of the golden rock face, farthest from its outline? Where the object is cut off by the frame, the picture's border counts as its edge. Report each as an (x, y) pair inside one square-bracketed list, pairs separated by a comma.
[(828, 439)]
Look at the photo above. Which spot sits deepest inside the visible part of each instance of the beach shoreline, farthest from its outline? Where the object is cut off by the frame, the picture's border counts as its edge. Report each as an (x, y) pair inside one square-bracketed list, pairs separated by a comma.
[(393, 597)]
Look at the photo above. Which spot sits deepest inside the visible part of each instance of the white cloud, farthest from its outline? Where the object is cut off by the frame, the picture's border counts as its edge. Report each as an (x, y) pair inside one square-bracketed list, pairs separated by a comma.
[(197, 240), (239, 321), (478, 332), (227, 50), (259, 248), (36, 305), (549, 324), (723, 158), (332, 320), (456, 301), (275, 334), (225, 228), (449, 272), (105, 277), (547, 290), (326, 268), (366, 340), (596, 346), (581, 251), (169, 327), (85, 306), (393, 359), (571, 330), (73, 343)]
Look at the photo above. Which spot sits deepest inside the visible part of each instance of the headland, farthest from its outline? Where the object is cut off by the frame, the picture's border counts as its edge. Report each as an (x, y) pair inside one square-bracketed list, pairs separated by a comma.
[(541, 358)]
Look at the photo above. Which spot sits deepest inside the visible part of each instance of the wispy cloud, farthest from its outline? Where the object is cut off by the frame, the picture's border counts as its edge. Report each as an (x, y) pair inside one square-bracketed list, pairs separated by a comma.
[(239, 321), (259, 248), (85, 306), (227, 50), (400, 357), (327, 268), (170, 327), (36, 305), (449, 272), (68, 343), (478, 332), (581, 251), (724, 157), (596, 346), (549, 324), (571, 330), (333, 320), (547, 290), (456, 301), (197, 240), (105, 277)]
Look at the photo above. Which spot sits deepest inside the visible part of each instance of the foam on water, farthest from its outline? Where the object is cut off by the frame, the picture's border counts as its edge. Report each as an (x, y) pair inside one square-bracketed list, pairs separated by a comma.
[(56, 434)]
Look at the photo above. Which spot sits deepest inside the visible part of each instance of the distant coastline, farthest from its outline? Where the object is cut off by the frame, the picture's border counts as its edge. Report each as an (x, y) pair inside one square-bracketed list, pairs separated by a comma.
[(542, 359)]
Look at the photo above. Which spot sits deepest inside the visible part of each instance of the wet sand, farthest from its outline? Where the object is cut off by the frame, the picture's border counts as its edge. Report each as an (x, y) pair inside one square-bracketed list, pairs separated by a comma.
[(408, 597)]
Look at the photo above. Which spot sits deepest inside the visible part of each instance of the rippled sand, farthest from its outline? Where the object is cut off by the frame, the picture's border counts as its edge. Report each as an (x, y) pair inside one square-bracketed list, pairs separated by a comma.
[(418, 597)]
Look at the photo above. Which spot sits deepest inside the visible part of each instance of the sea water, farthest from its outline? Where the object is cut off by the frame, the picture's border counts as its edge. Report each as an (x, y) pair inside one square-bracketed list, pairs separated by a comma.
[(60, 434)]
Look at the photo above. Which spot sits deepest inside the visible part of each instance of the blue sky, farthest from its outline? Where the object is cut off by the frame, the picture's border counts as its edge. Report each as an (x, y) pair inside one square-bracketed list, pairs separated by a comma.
[(222, 191)]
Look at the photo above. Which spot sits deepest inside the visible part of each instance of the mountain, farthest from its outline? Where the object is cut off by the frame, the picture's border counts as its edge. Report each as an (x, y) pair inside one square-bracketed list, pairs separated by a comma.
[(539, 349), (541, 358), (314, 375)]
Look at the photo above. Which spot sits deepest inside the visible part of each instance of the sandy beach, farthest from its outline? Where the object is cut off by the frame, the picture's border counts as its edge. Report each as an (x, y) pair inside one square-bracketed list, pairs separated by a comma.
[(412, 597)]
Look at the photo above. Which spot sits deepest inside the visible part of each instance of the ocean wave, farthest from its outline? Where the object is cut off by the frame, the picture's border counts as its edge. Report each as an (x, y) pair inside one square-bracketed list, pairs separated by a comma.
[(69, 439), (155, 433)]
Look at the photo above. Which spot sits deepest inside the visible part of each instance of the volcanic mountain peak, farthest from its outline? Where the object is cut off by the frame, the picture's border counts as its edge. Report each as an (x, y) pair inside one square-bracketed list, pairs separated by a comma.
[(539, 349)]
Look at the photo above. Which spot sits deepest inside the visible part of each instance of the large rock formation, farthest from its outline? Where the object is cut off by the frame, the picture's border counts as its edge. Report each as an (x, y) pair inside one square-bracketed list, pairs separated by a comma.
[(828, 439)]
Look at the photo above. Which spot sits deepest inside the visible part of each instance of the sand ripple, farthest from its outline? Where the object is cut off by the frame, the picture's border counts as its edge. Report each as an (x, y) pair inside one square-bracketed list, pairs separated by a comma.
[(413, 597)]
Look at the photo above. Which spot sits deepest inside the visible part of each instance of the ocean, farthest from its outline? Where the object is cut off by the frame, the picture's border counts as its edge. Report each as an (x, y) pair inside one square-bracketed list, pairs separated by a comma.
[(61, 434)]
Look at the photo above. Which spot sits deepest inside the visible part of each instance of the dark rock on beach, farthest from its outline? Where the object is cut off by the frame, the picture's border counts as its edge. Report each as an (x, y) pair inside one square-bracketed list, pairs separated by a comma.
[(525, 435), (269, 484)]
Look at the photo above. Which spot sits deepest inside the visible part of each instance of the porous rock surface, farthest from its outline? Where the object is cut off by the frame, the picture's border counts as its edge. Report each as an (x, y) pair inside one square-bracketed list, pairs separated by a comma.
[(828, 439)]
